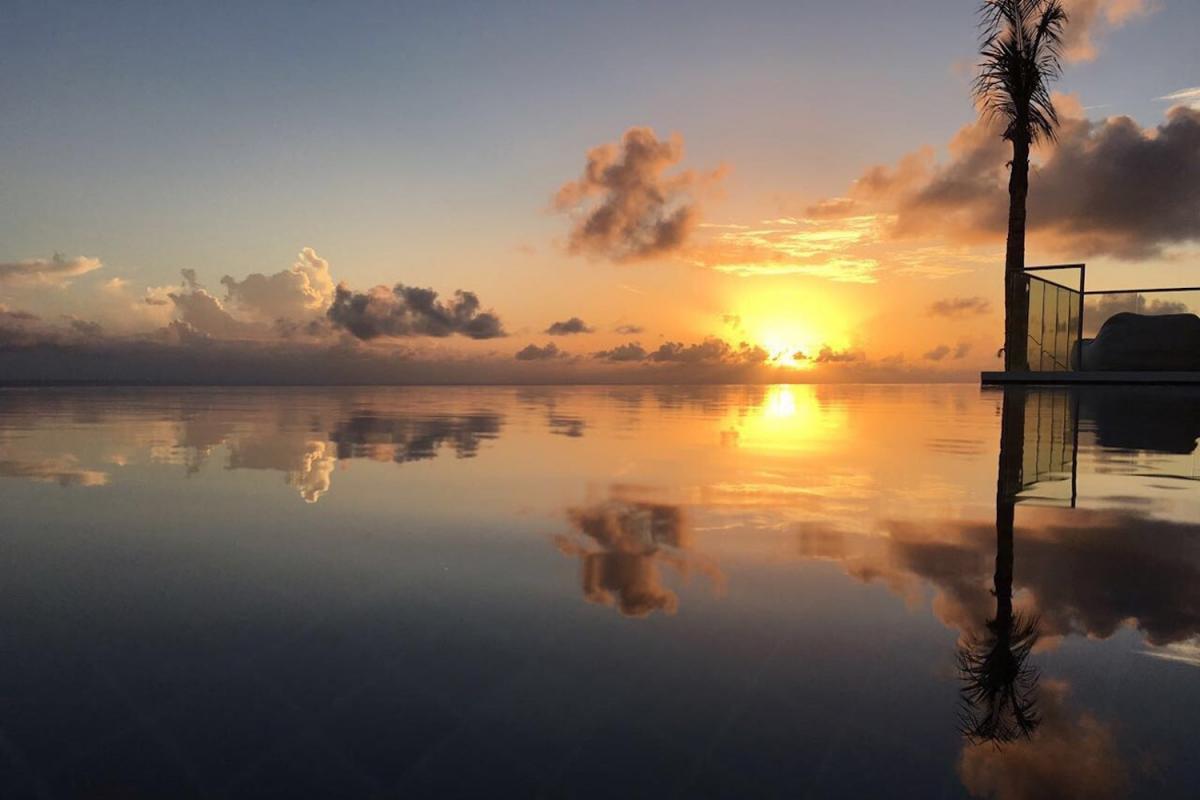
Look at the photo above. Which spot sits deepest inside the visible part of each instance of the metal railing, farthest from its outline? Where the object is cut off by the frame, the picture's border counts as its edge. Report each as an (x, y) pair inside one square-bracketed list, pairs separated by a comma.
[(1055, 319), (1057, 313)]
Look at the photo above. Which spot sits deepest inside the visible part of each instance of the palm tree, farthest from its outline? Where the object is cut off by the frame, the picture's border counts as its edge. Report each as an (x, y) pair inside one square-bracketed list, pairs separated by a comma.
[(1000, 687), (1021, 47)]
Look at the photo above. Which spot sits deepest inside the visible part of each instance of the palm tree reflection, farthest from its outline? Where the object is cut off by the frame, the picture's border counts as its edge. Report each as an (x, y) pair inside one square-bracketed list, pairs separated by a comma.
[(999, 692)]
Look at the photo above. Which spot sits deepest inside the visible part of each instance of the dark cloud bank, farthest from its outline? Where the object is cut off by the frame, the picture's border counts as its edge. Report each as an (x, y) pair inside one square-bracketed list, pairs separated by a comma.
[(409, 311), (1107, 187)]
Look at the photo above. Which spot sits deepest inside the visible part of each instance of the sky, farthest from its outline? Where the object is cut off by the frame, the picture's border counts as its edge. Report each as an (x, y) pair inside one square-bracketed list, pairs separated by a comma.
[(626, 192)]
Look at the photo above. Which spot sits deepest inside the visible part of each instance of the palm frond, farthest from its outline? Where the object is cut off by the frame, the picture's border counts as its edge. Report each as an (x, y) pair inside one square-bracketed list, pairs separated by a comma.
[(1021, 54), (998, 698)]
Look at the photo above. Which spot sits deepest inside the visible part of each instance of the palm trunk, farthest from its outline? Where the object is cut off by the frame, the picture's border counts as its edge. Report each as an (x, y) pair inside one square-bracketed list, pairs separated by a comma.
[(1008, 484), (1016, 286)]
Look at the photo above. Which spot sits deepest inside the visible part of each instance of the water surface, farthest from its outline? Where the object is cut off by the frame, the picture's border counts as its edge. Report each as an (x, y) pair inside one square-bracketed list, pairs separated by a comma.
[(787, 591)]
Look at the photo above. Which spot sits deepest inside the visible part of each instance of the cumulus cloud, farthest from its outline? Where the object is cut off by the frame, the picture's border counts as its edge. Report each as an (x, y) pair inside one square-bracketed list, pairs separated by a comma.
[(404, 311), (55, 271), (534, 353), (190, 281), (829, 355), (625, 206), (1089, 20), (304, 290), (711, 350), (631, 351), (1103, 188), (568, 327), (206, 315), (959, 307), (629, 330)]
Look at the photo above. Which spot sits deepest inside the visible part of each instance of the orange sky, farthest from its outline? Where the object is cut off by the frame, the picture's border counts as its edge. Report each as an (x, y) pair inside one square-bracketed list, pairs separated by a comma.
[(643, 246)]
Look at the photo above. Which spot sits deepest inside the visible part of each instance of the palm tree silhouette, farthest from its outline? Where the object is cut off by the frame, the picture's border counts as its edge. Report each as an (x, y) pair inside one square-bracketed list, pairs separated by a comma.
[(1021, 47), (999, 691)]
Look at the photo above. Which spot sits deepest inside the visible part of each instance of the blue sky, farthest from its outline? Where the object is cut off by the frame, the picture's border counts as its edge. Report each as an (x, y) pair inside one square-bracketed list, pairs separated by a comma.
[(232, 133), (424, 142)]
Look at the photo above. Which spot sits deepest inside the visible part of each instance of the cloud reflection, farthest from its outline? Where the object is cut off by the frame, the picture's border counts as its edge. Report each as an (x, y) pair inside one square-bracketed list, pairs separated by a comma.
[(623, 545), (63, 470)]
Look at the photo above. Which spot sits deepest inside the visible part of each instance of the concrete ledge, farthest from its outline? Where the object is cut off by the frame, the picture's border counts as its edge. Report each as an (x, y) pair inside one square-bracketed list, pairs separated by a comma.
[(1075, 378)]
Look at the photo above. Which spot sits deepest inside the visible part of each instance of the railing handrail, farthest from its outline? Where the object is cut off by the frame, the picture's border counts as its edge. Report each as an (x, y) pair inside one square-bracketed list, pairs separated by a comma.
[(1141, 291)]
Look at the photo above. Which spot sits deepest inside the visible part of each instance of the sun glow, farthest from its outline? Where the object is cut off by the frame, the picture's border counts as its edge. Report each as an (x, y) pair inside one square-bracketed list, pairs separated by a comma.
[(792, 322), (791, 347)]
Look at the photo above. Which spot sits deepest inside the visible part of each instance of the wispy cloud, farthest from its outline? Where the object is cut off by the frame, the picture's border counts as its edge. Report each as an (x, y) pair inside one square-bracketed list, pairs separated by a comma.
[(55, 271), (792, 246), (1187, 652), (1188, 97)]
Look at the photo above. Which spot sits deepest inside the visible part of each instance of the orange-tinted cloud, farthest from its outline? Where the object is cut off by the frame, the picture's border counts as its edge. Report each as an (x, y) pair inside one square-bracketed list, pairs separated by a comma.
[(1090, 20), (568, 327), (625, 204), (534, 353), (304, 290), (812, 245), (1070, 755), (54, 271), (1103, 188), (1071, 571), (622, 545), (959, 307)]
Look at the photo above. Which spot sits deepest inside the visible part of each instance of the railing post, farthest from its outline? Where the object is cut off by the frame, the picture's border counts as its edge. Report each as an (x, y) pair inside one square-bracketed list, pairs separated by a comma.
[(1079, 332)]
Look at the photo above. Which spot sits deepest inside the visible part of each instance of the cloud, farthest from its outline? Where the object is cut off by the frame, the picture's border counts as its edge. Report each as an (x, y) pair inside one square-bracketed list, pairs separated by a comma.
[(1187, 97), (1090, 20), (625, 206), (205, 314), (828, 355), (63, 470), (833, 249), (304, 290), (1070, 755), (189, 278), (632, 351), (942, 351), (568, 327), (623, 544), (534, 353), (404, 438), (629, 330), (937, 353), (404, 311), (711, 350), (1073, 571), (58, 270), (1108, 188), (1097, 309), (959, 307)]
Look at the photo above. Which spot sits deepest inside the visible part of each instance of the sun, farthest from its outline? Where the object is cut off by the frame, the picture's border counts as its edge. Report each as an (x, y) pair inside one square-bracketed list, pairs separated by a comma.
[(792, 350)]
